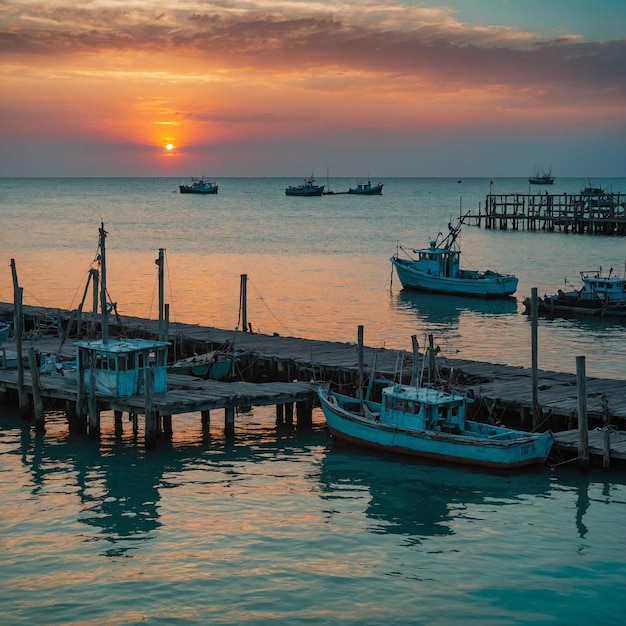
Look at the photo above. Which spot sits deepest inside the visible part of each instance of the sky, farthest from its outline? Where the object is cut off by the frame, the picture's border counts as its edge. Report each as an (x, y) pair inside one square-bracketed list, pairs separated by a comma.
[(351, 88)]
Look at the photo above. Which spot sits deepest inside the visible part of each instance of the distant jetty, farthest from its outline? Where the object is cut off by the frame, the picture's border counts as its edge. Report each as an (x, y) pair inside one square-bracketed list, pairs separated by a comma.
[(566, 212)]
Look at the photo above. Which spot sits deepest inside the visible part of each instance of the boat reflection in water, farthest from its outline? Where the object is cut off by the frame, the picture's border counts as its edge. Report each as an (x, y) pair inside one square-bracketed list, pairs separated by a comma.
[(444, 309), (417, 499)]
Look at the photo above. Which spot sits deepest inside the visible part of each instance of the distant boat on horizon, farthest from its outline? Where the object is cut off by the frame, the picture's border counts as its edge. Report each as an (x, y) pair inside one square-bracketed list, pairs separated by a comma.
[(542, 178), (307, 189), (199, 186)]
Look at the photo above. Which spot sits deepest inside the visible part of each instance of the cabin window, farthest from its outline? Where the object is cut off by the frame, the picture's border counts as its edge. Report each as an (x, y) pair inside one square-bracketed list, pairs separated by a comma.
[(442, 411), (398, 404), (454, 410), (101, 362), (125, 362)]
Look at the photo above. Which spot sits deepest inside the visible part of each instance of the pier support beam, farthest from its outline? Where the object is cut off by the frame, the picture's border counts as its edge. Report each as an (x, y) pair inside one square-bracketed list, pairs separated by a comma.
[(205, 419), (289, 413), (583, 428), (229, 420), (94, 411), (167, 426), (280, 415), (117, 419), (304, 413), (37, 402)]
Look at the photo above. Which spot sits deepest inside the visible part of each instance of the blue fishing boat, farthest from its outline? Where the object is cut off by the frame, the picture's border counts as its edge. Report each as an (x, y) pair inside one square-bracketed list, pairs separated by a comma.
[(437, 269), (309, 189), (367, 189), (426, 422), (542, 178), (199, 186), (601, 294)]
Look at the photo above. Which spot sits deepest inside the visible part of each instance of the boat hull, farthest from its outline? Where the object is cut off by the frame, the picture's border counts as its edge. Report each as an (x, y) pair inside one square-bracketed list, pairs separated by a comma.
[(487, 285), (305, 192), (185, 189), (374, 190), (552, 305), (471, 447)]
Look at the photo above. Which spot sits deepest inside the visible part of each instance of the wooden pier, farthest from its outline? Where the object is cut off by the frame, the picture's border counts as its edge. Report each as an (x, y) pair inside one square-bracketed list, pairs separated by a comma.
[(565, 212), (285, 371)]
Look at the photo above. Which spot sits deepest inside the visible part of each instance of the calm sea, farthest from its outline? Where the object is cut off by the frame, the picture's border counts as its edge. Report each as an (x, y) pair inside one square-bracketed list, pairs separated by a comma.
[(282, 525)]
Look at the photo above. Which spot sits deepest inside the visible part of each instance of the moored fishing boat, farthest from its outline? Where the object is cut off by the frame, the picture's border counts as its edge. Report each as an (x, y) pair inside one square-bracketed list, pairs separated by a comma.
[(308, 188), (367, 189), (542, 178), (199, 186), (437, 269), (600, 294), (426, 422)]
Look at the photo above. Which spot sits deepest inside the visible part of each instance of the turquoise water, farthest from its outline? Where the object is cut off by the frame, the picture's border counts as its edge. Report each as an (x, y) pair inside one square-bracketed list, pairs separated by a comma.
[(277, 524), (282, 526)]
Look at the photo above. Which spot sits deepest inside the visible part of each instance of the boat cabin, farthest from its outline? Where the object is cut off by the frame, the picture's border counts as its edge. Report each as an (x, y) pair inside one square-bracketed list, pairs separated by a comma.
[(444, 262), (119, 367), (423, 408), (606, 288)]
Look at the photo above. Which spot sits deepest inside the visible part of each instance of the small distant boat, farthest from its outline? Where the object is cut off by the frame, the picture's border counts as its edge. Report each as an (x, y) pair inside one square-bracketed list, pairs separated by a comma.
[(5, 331), (542, 178), (601, 294), (437, 269), (367, 189), (200, 186), (590, 190), (596, 196), (213, 365), (308, 188), (425, 422)]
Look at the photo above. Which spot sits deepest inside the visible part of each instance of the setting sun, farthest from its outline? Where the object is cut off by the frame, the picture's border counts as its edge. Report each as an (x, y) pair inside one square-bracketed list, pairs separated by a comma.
[(169, 146)]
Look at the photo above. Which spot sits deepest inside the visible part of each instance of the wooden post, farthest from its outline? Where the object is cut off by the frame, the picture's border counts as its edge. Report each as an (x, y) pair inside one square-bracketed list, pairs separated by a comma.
[(534, 357), (24, 403), (166, 323), (167, 426), (304, 413), (280, 415), (229, 420), (117, 420), (94, 413), (415, 372), (104, 311), (431, 359), (151, 420), (96, 294), (583, 429), (160, 264), (205, 420), (289, 413), (606, 415), (37, 402), (361, 367), (243, 301)]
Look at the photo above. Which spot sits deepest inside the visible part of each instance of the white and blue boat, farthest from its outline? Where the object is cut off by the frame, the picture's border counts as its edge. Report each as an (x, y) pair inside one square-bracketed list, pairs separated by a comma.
[(426, 422), (308, 189), (200, 186), (437, 269)]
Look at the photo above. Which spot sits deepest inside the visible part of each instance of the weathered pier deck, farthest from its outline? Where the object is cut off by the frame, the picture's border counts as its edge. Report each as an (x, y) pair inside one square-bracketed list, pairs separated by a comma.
[(565, 212), (267, 365)]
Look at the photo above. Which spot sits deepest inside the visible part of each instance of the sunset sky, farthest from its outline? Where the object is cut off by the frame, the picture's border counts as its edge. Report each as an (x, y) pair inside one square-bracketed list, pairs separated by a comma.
[(272, 88)]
